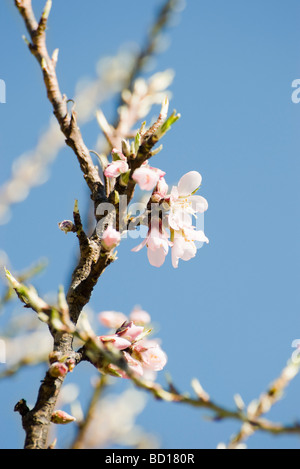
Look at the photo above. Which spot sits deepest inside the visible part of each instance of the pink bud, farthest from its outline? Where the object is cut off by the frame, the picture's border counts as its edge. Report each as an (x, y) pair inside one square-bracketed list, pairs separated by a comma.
[(110, 238), (118, 342), (61, 417), (147, 177), (71, 363), (58, 369), (130, 331), (162, 188), (116, 168)]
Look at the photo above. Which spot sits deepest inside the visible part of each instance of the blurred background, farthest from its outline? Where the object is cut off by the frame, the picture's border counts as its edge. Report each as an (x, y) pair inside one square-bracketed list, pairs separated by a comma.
[(228, 316)]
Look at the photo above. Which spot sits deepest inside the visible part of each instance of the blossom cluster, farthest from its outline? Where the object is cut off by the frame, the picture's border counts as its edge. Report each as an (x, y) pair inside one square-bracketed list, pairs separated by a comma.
[(180, 206), (141, 354), (171, 225)]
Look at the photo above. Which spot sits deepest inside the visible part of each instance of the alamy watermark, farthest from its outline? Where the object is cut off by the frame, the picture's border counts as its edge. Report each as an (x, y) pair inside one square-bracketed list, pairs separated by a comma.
[(296, 92), (134, 221), (2, 92), (296, 354), (2, 351)]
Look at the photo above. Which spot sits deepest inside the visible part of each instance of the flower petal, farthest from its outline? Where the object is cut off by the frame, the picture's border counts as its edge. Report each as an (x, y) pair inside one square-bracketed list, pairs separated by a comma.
[(199, 204), (190, 251), (157, 257), (189, 183), (140, 246)]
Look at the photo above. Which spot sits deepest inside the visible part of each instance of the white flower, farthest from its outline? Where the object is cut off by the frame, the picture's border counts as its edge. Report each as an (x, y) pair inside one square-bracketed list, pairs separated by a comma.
[(184, 203), (157, 243), (184, 246)]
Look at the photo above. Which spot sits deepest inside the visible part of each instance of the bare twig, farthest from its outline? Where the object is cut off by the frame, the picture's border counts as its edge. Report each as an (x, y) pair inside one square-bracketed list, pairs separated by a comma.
[(257, 408)]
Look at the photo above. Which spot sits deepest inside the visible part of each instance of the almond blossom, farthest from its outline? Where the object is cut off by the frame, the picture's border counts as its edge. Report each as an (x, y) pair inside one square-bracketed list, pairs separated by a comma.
[(157, 243), (184, 246), (118, 166), (184, 202), (149, 353), (141, 355), (147, 177), (183, 205)]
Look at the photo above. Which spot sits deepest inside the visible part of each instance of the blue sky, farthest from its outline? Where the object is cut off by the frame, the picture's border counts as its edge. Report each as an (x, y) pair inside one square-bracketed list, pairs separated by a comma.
[(229, 316)]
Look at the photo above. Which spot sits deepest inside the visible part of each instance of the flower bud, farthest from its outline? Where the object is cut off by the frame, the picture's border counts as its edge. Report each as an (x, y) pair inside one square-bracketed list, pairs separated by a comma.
[(61, 417), (110, 238), (71, 363), (58, 369), (130, 331), (118, 342), (116, 168), (67, 226)]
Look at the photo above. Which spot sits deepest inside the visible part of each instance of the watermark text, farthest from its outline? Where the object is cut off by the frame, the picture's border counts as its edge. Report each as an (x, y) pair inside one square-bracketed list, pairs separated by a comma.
[(2, 91)]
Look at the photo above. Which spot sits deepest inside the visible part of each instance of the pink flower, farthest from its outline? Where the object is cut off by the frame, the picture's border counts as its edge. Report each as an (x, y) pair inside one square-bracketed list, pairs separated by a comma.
[(147, 177), (110, 238), (116, 168), (157, 243), (112, 319), (149, 353), (133, 364), (140, 354), (118, 342)]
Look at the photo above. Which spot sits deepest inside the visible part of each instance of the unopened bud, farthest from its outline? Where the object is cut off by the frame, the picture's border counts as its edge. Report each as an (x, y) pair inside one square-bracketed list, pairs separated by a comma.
[(111, 238), (61, 417), (67, 226), (57, 370)]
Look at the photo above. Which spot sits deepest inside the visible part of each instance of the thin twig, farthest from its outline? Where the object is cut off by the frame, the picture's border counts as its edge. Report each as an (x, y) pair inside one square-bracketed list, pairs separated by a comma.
[(84, 425)]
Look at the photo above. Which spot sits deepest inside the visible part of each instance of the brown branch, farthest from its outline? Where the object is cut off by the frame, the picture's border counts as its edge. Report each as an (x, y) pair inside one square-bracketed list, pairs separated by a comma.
[(93, 259), (91, 264), (251, 419)]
